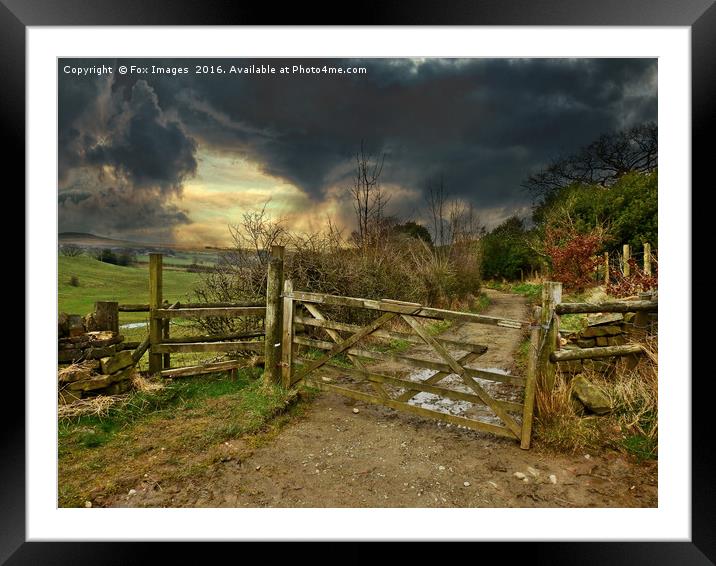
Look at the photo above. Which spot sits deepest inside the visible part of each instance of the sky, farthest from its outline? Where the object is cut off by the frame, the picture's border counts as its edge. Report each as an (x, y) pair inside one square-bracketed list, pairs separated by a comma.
[(164, 153)]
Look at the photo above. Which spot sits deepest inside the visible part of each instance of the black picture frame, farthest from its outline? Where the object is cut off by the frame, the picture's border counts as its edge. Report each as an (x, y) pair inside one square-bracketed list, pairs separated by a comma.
[(699, 15)]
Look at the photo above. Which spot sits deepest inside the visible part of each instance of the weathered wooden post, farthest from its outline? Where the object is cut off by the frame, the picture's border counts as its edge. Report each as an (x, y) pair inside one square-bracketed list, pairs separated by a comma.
[(641, 319), (625, 260), (155, 302), (273, 321), (551, 296), (606, 269), (166, 358), (106, 315), (647, 259), (287, 335), (530, 387)]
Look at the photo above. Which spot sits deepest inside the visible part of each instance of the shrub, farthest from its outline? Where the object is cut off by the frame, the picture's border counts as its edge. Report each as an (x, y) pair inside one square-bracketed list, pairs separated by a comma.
[(573, 254), (629, 208), (123, 258), (74, 281), (505, 251), (396, 267), (71, 250), (637, 282)]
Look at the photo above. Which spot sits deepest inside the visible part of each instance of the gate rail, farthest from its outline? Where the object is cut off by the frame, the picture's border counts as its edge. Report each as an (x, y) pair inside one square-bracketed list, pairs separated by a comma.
[(447, 364)]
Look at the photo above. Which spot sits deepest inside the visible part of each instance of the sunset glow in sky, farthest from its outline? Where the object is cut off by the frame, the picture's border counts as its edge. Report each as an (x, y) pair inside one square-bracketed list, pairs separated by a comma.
[(178, 157)]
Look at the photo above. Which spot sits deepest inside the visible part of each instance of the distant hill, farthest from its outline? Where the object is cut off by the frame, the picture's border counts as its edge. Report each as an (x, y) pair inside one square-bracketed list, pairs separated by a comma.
[(87, 240)]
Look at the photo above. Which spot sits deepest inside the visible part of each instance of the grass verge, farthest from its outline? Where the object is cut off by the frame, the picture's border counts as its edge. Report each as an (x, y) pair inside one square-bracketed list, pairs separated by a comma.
[(170, 434)]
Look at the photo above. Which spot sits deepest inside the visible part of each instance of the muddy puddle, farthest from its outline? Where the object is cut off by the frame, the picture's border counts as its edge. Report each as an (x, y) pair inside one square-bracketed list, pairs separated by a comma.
[(457, 407)]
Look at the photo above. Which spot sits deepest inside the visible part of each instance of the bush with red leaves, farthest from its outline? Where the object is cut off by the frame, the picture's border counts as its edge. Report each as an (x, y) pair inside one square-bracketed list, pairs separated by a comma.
[(637, 282), (573, 255)]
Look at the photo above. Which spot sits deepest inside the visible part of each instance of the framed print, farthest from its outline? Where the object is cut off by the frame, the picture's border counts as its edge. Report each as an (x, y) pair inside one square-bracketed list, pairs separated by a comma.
[(392, 279)]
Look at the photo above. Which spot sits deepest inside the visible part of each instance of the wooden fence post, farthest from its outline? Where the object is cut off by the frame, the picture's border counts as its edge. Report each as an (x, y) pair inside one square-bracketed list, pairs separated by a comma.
[(641, 319), (625, 260), (647, 259), (551, 296), (530, 386), (106, 315), (287, 335), (273, 321), (155, 302), (166, 358), (606, 269)]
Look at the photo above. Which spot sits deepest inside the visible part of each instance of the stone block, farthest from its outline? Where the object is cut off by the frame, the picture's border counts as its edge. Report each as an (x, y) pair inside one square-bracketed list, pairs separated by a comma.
[(98, 382), (97, 353), (593, 332), (591, 396), (118, 388), (117, 362), (76, 372), (65, 356), (123, 375), (63, 325), (612, 329), (604, 318)]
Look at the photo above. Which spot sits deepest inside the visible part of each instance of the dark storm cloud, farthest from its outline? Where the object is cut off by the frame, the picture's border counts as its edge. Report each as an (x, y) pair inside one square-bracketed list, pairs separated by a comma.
[(120, 159), (484, 124), (119, 211), (142, 147)]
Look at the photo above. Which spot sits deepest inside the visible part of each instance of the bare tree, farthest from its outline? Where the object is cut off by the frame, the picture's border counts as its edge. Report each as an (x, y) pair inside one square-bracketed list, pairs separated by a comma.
[(436, 198), (369, 200), (601, 162), (463, 223)]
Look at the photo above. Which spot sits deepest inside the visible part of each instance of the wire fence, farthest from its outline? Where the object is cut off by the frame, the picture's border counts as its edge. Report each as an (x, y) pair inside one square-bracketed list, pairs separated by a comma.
[(628, 272)]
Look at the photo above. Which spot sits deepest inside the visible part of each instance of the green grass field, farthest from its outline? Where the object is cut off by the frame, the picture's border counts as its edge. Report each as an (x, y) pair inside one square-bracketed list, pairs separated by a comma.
[(106, 282)]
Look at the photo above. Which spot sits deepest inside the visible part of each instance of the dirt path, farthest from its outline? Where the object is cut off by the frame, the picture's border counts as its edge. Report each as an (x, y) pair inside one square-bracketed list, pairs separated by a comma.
[(333, 457)]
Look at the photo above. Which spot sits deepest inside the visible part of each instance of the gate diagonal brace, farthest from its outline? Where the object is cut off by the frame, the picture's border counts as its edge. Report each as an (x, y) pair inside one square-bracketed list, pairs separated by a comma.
[(435, 378), (336, 337), (345, 344), (459, 370)]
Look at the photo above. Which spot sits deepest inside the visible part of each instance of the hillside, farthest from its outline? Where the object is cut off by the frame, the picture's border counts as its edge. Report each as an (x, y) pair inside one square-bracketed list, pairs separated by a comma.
[(106, 282)]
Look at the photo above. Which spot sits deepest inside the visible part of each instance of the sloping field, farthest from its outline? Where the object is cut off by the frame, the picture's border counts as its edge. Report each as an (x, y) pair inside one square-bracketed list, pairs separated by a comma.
[(106, 282)]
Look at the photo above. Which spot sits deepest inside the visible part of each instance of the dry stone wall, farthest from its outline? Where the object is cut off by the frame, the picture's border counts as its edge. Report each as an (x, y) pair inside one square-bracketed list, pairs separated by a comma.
[(608, 329), (91, 361)]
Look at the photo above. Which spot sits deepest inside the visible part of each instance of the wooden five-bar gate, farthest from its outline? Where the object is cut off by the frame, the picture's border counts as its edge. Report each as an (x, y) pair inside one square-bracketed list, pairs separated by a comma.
[(303, 309)]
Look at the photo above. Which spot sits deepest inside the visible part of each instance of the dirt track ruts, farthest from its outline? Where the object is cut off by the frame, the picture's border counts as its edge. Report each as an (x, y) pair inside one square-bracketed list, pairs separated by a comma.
[(332, 457)]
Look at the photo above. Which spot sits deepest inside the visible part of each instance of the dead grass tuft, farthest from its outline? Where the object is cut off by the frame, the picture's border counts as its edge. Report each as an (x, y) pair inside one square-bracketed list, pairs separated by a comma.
[(559, 425), (98, 406), (141, 383), (632, 424)]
